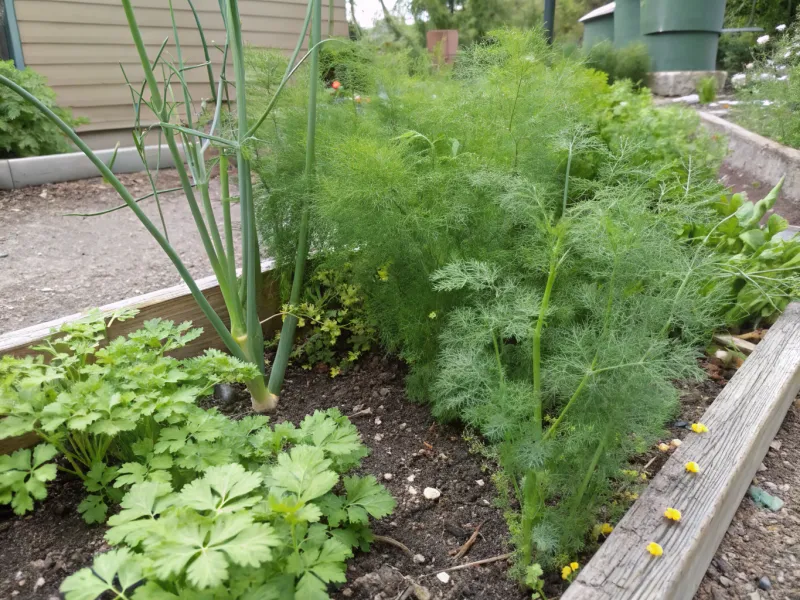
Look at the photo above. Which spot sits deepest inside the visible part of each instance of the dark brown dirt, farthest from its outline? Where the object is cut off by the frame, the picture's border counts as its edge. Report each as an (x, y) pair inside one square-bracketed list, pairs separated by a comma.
[(52, 265), (39, 550)]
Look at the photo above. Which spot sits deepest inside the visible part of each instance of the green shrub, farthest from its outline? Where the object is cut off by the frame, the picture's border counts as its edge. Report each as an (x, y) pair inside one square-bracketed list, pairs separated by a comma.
[(512, 225), (631, 62), (24, 131), (769, 90), (735, 51), (707, 89), (349, 63)]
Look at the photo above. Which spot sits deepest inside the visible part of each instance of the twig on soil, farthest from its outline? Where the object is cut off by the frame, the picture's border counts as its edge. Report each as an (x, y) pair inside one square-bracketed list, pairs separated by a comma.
[(462, 551), (649, 462), (393, 542), (361, 413), (477, 563)]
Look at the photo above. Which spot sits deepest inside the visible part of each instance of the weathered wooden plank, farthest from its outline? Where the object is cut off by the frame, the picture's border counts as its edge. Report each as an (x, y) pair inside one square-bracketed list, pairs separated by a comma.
[(175, 303), (742, 422)]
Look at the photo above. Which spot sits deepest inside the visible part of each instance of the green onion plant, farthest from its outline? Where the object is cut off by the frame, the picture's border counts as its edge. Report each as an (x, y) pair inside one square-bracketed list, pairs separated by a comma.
[(188, 143)]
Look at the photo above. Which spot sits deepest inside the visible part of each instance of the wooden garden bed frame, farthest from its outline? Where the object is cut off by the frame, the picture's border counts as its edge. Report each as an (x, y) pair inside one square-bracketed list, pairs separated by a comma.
[(742, 422), (173, 303)]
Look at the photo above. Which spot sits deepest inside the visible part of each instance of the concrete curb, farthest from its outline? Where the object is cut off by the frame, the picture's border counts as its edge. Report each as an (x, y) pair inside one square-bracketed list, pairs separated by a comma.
[(763, 159), (16, 173)]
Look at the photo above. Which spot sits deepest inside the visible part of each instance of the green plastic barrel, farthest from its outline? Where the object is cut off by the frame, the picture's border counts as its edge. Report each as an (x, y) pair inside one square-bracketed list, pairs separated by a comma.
[(598, 30), (682, 35), (626, 23)]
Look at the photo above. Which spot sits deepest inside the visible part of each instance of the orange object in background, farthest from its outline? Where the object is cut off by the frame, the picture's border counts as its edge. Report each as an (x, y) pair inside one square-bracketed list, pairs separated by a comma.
[(443, 44)]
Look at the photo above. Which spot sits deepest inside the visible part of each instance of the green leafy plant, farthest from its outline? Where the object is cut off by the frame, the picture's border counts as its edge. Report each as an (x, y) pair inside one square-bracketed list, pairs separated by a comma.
[(280, 526), (335, 329), (100, 406), (24, 130), (707, 89), (512, 226), (631, 62), (758, 271)]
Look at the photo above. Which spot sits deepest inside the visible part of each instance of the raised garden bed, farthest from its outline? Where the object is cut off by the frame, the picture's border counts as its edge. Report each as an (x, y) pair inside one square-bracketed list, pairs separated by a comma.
[(417, 453)]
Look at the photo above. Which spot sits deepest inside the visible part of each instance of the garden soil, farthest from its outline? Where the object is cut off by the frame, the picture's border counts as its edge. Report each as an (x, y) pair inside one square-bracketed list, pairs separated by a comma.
[(52, 265), (409, 453)]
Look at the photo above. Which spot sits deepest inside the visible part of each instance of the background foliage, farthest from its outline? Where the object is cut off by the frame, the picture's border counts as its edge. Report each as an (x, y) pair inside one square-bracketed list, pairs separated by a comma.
[(24, 131)]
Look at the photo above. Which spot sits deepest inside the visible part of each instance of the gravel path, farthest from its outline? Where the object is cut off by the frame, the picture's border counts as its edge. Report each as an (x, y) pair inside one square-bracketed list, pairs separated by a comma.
[(52, 265), (760, 553)]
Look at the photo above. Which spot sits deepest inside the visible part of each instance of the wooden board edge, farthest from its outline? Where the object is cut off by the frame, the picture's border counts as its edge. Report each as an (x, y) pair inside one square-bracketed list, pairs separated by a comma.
[(17, 342), (764, 387)]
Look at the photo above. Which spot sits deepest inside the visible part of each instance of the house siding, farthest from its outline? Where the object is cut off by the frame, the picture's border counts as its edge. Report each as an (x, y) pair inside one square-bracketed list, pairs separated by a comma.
[(79, 46)]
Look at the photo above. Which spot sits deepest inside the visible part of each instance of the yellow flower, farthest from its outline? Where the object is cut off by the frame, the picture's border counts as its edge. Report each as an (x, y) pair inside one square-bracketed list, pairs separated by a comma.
[(574, 566), (699, 428), (335, 371), (673, 514), (606, 529), (663, 447), (432, 315), (692, 467), (383, 273), (655, 549), (566, 572), (643, 476)]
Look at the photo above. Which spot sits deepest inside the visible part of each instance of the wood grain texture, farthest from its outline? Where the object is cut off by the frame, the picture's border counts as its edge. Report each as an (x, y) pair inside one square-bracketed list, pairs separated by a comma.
[(12, 444), (175, 303), (742, 422)]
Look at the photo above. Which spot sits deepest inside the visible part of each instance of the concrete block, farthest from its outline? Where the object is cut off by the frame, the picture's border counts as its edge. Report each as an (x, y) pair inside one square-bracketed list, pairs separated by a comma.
[(6, 182), (38, 170), (681, 83)]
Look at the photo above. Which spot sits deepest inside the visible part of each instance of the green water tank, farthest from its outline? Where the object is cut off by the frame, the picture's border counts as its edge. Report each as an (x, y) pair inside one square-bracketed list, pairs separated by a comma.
[(682, 35), (598, 26), (626, 23)]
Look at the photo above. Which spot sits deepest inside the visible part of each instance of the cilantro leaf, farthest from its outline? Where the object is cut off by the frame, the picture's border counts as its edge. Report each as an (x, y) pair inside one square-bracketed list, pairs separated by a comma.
[(303, 471), (366, 496), (222, 489), (90, 583)]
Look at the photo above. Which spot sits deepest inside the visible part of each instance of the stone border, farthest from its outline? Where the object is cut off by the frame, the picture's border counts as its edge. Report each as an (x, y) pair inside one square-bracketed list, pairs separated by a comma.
[(17, 173), (741, 423), (761, 158)]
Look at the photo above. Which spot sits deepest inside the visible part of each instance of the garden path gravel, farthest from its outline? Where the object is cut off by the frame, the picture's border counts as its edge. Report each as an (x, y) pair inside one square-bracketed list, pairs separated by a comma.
[(52, 265)]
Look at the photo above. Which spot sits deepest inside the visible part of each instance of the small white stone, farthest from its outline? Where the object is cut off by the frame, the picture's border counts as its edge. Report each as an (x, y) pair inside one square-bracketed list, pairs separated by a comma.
[(403, 425), (39, 583), (480, 482), (378, 421), (443, 577), (388, 476), (431, 493), (419, 559), (411, 478), (412, 490), (378, 437)]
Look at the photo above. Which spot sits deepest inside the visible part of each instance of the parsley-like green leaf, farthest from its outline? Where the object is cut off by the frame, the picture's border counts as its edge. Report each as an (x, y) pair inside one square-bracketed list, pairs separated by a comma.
[(303, 471), (116, 566)]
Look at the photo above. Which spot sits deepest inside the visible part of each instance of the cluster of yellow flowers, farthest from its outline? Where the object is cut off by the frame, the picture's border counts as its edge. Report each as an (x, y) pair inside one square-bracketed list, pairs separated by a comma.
[(673, 514), (568, 570)]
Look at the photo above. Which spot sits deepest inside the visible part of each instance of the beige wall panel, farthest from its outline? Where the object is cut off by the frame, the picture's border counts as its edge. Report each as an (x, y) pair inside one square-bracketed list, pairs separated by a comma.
[(78, 46)]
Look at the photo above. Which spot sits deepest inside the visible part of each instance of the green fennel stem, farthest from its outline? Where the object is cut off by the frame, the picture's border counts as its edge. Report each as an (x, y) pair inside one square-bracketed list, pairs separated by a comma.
[(537, 339), (290, 324)]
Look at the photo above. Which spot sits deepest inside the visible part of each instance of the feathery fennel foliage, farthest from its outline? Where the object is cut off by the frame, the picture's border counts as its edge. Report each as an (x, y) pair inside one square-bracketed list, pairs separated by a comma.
[(517, 246)]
